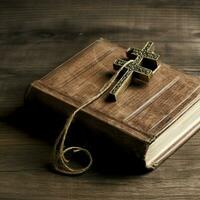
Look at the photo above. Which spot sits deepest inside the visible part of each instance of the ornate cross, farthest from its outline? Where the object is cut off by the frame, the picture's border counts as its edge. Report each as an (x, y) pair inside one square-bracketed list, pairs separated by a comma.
[(141, 64)]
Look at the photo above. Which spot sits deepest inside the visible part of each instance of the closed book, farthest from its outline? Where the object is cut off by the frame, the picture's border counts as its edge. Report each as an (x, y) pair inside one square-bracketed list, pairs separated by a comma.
[(152, 120)]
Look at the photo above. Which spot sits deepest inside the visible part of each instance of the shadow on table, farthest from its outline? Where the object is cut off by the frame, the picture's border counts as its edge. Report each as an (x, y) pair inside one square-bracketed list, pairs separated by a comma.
[(40, 122)]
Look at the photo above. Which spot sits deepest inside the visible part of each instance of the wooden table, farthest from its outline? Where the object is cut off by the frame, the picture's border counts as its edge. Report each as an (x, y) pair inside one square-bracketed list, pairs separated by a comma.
[(36, 36)]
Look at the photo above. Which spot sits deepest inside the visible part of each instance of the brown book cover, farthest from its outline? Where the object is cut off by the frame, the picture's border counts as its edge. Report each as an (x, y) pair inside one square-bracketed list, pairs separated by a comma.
[(151, 119)]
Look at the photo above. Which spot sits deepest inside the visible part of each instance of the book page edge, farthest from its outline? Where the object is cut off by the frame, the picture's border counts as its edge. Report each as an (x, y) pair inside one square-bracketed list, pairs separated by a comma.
[(189, 123)]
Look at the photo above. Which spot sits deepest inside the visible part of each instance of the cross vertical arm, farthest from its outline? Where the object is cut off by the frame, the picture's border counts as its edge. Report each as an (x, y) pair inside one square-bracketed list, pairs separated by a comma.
[(121, 85)]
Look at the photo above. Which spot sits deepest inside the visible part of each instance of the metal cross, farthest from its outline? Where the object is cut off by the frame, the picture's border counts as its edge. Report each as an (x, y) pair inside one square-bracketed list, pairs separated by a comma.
[(141, 64)]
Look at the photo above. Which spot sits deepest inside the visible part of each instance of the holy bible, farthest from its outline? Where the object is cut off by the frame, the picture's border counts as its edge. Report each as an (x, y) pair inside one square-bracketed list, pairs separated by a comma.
[(150, 119)]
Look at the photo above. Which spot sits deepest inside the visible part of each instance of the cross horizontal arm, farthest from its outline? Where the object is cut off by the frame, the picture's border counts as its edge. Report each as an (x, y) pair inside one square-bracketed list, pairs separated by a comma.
[(142, 73), (119, 63), (134, 52)]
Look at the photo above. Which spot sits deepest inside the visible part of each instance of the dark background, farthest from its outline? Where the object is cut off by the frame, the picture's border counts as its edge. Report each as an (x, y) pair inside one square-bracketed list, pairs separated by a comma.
[(36, 36)]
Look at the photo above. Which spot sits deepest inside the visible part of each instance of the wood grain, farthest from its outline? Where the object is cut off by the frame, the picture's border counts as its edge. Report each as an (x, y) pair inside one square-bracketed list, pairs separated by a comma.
[(36, 36)]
